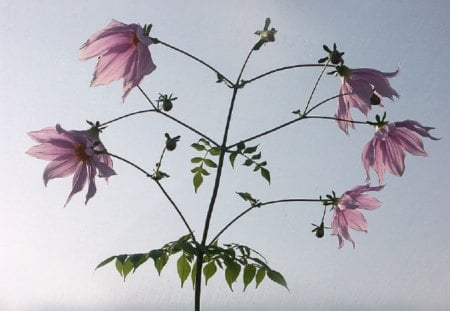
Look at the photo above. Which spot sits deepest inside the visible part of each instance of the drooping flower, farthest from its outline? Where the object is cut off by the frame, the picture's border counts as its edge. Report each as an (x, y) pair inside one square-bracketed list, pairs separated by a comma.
[(361, 88), (386, 150), (347, 214), (72, 152), (122, 52)]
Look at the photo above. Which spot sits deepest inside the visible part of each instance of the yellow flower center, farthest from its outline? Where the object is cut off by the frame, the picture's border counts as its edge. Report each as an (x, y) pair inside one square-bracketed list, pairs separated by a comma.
[(80, 154)]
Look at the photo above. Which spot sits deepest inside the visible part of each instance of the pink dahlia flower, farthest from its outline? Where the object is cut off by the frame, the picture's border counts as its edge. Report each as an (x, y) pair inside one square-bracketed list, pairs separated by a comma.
[(362, 88), (386, 150), (122, 52), (72, 152), (346, 213)]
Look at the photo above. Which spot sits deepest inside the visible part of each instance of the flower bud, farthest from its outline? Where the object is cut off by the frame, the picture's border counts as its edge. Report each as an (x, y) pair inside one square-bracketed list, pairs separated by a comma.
[(171, 143), (375, 99), (167, 105)]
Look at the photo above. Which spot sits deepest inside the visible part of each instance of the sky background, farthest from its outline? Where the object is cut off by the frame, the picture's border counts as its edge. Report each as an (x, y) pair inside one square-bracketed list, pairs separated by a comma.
[(48, 253)]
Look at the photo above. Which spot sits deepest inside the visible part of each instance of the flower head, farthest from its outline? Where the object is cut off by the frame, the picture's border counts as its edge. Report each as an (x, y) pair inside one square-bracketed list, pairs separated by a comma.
[(72, 152), (362, 88), (346, 213), (386, 150), (122, 52)]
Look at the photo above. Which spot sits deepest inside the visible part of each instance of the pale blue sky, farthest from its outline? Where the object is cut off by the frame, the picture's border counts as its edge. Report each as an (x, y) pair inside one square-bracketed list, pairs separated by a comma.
[(48, 253)]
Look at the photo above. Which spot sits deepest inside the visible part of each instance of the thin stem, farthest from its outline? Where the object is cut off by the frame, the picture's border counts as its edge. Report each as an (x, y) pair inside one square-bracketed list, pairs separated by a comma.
[(304, 116), (148, 98), (198, 281), (160, 186), (194, 58), (230, 223), (323, 102), (176, 120), (281, 69), (336, 119), (256, 206), (315, 86), (126, 116), (158, 165)]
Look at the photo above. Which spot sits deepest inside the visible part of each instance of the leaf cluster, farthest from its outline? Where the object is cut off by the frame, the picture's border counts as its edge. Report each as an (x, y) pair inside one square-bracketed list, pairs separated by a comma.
[(202, 162), (251, 159)]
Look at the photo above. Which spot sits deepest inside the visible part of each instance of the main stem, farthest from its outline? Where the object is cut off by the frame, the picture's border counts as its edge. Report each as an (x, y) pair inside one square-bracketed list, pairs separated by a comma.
[(198, 276)]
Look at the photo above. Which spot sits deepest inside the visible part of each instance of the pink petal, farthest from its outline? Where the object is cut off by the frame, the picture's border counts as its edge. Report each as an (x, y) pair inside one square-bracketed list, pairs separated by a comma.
[(92, 189), (79, 180), (355, 220), (63, 167)]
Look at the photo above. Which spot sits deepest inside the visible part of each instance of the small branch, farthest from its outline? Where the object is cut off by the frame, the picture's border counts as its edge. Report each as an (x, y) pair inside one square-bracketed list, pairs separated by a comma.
[(336, 119), (281, 69), (148, 98), (175, 119), (147, 174), (323, 102), (126, 116), (315, 86), (229, 224), (194, 58), (257, 206)]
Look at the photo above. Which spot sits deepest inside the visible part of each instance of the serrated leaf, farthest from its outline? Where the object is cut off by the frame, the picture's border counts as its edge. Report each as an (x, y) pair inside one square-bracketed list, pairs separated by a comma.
[(161, 262), (248, 162), (209, 270), (105, 262), (249, 275), (277, 277), (198, 180), (231, 273), (183, 268), (214, 151), (260, 276), (250, 149), (126, 268), (198, 147), (233, 158), (196, 160), (210, 163), (265, 173)]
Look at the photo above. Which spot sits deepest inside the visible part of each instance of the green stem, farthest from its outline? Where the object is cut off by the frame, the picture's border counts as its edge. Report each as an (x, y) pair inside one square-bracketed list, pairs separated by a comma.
[(315, 86), (256, 206), (281, 69), (198, 277), (160, 186), (194, 58)]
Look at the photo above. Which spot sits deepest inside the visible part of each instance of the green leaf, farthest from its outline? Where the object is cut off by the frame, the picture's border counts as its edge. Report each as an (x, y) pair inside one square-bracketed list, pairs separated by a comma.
[(194, 274), (249, 275), (137, 260), (210, 163), (119, 263), (204, 172), (105, 262), (240, 146), (231, 273), (233, 158), (250, 149), (204, 141), (214, 151), (277, 278), (196, 160), (209, 270), (155, 254), (196, 169), (183, 268), (260, 276), (245, 195), (256, 156), (198, 147), (198, 180), (161, 262), (265, 173), (126, 268), (248, 162)]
